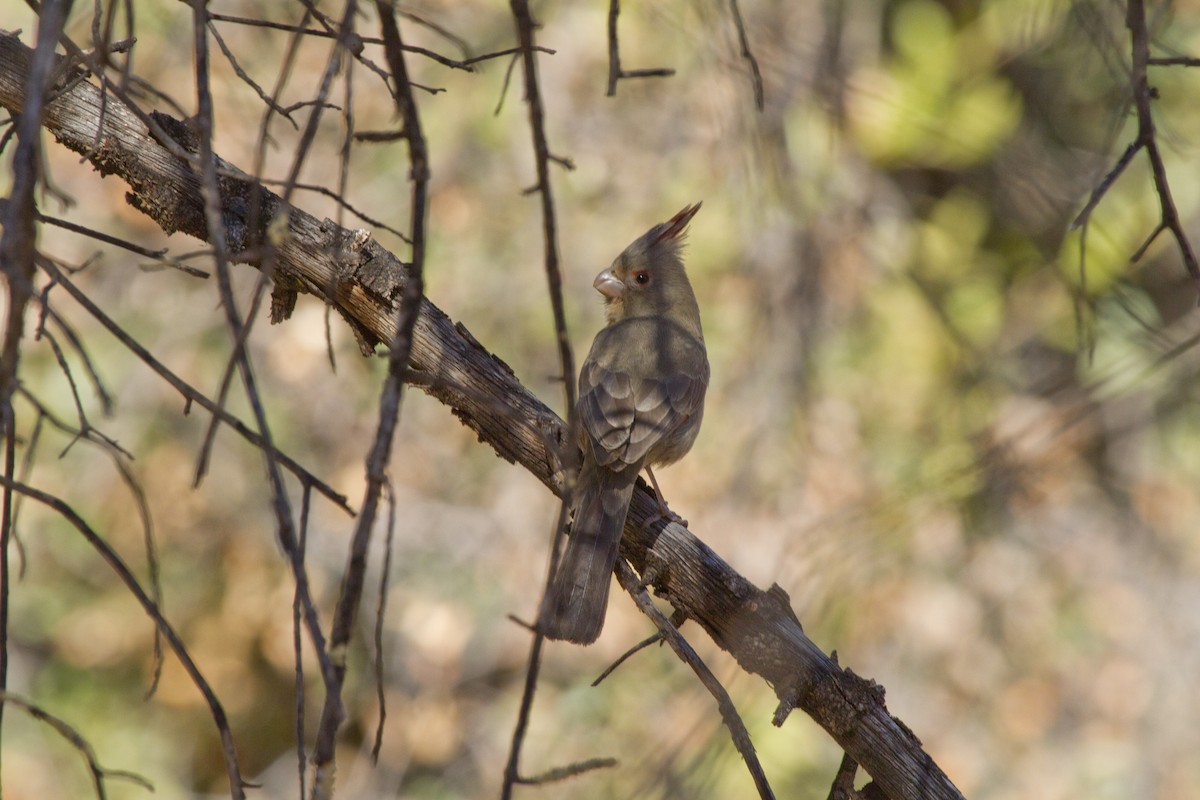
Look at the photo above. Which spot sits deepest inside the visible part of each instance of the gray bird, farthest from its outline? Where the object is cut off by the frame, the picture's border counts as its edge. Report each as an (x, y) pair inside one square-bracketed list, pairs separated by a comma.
[(641, 400)]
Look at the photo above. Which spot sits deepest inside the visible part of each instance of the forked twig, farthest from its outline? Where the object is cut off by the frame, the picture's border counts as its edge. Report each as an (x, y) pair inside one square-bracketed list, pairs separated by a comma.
[(189, 392), (117, 564), (615, 73), (523, 19), (76, 740), (733, 721), (400, 347), (1147, 140), (120, 459)]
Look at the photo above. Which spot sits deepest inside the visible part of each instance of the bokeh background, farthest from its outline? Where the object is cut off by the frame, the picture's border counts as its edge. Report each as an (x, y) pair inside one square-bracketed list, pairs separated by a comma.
[(974, 471)]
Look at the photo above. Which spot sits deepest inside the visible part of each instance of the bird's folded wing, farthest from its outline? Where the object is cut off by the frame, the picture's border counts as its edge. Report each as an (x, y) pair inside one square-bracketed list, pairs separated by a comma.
[(625, 416)]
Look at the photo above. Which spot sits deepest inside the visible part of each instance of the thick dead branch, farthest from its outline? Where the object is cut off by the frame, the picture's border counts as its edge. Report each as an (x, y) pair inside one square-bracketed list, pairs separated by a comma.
[(365, 283)]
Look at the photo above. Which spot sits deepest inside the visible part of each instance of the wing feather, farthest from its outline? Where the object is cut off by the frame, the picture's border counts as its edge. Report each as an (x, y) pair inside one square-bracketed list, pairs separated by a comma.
[(626, 412)]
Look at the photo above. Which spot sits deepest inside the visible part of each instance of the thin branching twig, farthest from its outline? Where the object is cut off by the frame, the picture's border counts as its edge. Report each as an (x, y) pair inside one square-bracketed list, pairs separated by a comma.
[(637, 648), (191, 394), (239, 327), (400, 346), (733, 721), (158, 256), (237, 786), (18, 244), (384, 578), (569, 771), (842, 787), (524, 22), (298, 645), (76, 740), (615, 73), (120, 459), (744, 42), (1147, 140)]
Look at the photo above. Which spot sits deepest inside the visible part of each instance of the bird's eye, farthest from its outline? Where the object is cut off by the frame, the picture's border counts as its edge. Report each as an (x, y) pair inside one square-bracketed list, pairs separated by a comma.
[(642, 277)]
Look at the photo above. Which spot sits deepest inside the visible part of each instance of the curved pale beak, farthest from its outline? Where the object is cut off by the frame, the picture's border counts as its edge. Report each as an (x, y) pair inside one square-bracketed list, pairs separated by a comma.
[(608, 284)]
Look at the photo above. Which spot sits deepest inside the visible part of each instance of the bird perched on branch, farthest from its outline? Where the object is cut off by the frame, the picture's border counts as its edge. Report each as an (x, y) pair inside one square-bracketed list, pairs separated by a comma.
[(641, 399)]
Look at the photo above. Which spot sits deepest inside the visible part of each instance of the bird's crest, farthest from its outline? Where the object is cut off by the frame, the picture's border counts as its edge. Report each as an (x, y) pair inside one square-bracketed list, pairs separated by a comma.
[(673, 230)]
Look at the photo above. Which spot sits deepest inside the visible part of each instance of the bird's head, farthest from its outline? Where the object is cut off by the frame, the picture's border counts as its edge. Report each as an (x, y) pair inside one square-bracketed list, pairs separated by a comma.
[(648, 277)]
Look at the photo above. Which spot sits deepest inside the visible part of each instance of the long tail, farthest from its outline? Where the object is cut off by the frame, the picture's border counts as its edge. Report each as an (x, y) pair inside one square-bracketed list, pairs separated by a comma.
[(574, 607)]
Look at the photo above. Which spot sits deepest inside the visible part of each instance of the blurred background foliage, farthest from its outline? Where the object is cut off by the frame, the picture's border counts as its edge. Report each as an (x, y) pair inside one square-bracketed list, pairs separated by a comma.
[(970, 459)]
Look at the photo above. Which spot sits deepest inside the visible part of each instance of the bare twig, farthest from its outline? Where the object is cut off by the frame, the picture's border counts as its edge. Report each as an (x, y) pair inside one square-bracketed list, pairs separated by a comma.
[(462, 64), (440, 30), (189, 392), (615, 73), (508, 51), (729, 713), (613, 47), (400, 347), (1143, 96), (637, 648), (298, 644), (332, 34), (76, 342), (615, 70), (842, 787), (236, 784), (542, 158), (523, 19), (569, 771), (75, 739), (384, 575), (240, 329), (508, 72), (106, 403), (210, 192), (17, 244), (84, 425), (31, 445), (353, 47), (120, 459), (18, 247), (755, 75), (157, 255), (245, 78)]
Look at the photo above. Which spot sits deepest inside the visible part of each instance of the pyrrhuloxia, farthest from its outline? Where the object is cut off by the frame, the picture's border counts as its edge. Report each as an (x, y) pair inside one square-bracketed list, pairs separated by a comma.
[(641, 399)]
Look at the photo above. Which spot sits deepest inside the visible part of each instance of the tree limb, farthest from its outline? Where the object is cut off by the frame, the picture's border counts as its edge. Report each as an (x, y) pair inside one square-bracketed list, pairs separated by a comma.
[(365, 282)]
